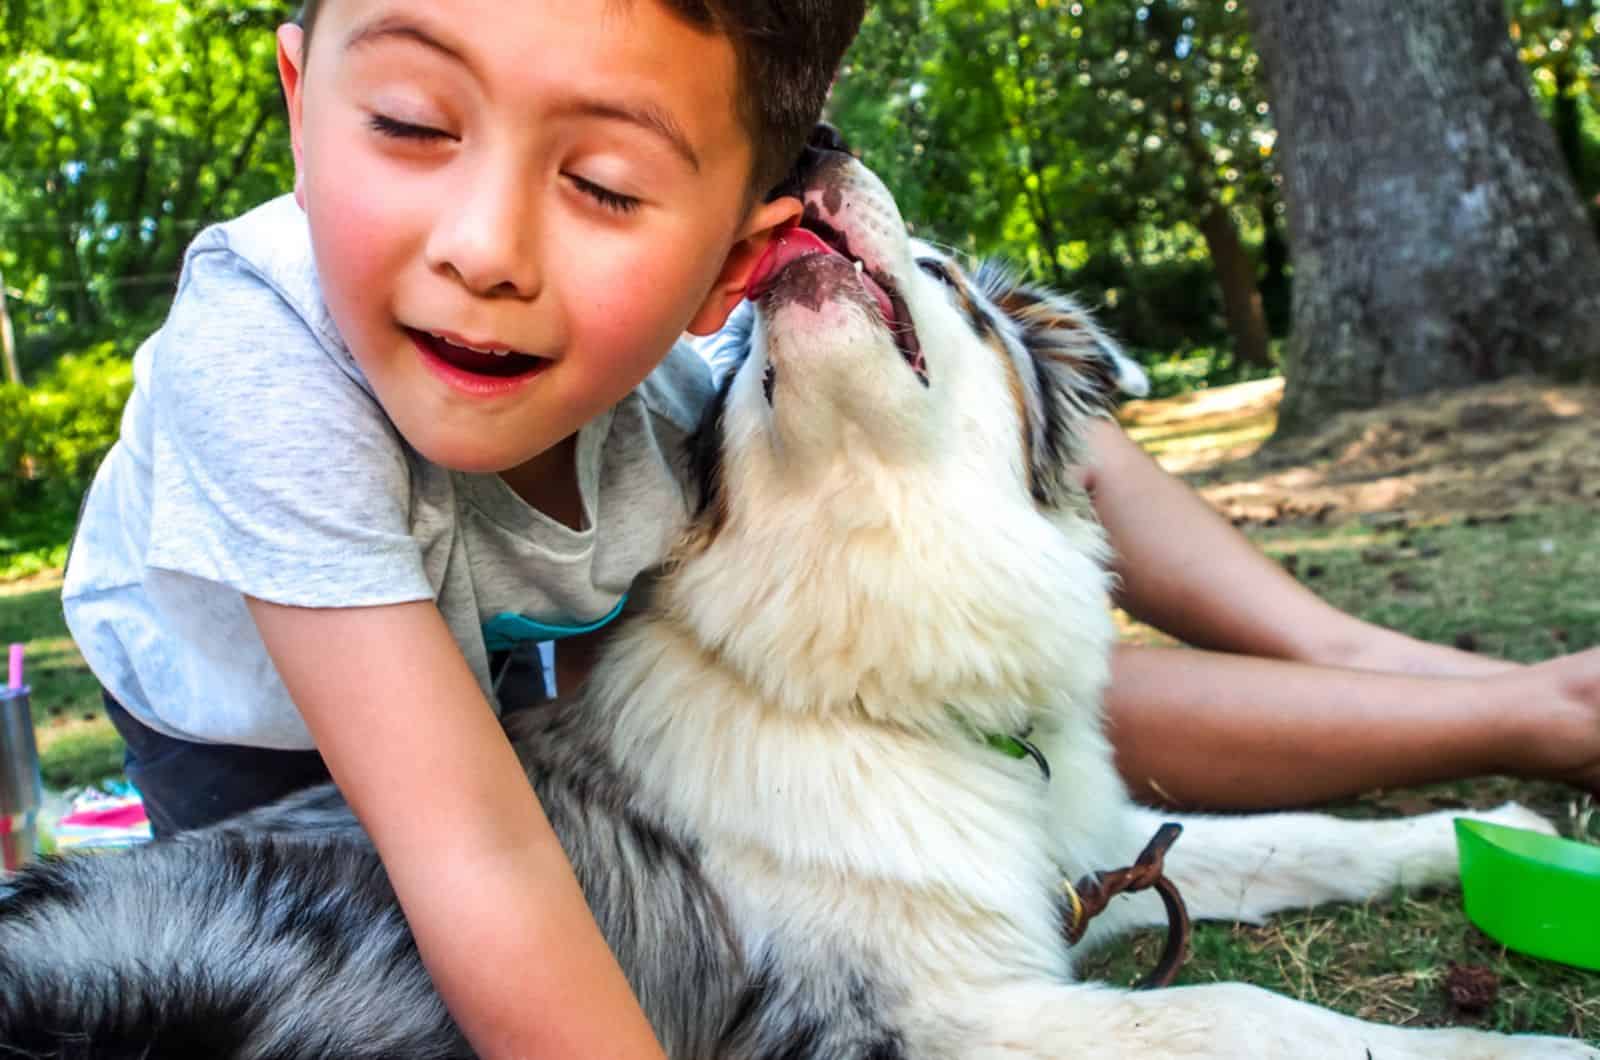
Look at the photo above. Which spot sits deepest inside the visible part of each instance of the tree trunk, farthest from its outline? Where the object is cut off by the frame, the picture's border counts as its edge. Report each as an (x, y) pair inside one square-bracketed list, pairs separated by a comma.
[(8, 339), (1274, 283), (1437, 239), (1236, 275), (1568, 122)]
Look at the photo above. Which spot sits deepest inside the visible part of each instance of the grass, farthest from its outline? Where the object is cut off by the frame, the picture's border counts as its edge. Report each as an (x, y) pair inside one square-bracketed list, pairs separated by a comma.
[(1387, 961), (1519, 587), (77, 745)]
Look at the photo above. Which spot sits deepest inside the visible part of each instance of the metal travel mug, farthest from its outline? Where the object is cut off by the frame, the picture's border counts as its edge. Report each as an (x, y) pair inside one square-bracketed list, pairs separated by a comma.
[(20, 789)]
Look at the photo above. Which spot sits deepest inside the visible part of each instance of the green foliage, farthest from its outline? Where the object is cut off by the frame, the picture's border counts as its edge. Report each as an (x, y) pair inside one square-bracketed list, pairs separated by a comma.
[(1194, 368), (1559, 41), (1089, 140), (52, 438), (1040, 130), (1086, 140), (125, 126)]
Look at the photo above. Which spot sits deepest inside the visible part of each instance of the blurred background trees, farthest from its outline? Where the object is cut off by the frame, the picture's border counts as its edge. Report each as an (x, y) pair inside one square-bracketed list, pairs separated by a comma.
[(125, 127), (1133, 151)]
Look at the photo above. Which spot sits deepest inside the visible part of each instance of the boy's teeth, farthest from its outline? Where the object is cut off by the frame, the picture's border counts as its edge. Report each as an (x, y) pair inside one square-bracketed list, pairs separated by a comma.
[(498, 352)]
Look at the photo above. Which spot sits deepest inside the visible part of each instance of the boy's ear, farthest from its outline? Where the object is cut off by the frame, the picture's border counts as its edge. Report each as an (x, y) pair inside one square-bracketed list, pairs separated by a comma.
[(291, 70), (728, 291)]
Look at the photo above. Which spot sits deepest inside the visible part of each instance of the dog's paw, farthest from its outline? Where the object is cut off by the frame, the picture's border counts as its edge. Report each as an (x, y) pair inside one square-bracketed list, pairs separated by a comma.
[(1431, 857)]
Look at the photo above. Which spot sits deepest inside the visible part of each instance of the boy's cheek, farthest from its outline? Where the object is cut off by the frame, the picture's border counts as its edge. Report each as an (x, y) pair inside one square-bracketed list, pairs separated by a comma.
[(635, 333), (647, 291), (359, 229)]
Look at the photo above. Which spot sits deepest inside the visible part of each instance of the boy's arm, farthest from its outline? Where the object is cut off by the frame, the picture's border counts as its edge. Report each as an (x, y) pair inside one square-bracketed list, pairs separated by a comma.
[(486, 887)]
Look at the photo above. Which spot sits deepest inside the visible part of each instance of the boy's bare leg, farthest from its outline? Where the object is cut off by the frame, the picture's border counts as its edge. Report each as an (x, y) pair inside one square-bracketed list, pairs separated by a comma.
[(1300, 722), (1203, 730)]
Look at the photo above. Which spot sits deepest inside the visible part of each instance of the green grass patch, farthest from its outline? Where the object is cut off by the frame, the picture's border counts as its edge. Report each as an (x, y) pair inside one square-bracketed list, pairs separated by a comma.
[(1388, 961), (77, 744), (1520, 587), (82, 757)]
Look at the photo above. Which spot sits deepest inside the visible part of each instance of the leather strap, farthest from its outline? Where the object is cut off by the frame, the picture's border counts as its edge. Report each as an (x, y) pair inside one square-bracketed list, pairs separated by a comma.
[(1090, 896)]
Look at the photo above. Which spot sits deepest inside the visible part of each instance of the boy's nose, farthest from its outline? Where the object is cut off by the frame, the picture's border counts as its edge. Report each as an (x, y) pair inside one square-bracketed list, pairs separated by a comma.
[(487, 241)]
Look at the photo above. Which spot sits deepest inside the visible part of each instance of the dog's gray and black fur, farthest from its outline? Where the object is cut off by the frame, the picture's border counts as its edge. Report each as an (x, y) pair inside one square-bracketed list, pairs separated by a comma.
[(276, 935)]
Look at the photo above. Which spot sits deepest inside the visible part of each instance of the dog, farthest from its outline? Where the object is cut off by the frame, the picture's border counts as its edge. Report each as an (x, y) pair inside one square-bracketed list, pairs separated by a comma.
[(824, 786)]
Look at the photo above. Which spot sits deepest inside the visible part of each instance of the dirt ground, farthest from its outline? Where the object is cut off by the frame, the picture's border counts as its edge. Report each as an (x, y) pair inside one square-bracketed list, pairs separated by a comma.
[(1478, 453)]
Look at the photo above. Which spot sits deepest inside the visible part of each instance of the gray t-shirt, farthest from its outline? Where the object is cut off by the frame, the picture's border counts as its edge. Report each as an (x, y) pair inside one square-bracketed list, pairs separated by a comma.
[(254, 460)]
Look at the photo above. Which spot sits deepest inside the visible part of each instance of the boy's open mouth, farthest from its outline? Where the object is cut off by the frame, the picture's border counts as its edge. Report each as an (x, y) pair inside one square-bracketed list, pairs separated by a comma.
[(500, 364), (815, 236)]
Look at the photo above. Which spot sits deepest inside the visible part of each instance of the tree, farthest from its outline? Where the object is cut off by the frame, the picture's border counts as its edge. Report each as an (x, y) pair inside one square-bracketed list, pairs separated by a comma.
[(1436, 236), (1173, 35), (1559, 41), (125, 126), (1065, 135)]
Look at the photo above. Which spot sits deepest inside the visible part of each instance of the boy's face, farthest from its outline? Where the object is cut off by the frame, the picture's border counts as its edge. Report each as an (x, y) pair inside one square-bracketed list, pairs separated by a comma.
[(565, 180)]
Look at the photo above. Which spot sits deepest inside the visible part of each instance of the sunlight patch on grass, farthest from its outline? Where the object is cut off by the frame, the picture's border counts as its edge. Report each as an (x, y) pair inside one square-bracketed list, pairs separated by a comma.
[(1202, 441)]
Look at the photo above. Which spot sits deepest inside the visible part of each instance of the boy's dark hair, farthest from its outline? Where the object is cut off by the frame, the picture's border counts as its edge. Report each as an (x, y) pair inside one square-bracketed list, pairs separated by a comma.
[(788, 52)]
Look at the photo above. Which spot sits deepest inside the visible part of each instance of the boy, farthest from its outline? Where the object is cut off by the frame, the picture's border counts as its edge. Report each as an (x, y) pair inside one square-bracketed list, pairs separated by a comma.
[(371, 426)]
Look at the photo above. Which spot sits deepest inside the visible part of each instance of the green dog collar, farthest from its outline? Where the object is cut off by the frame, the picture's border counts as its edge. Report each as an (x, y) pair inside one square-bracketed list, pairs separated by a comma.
[(1012, 746)]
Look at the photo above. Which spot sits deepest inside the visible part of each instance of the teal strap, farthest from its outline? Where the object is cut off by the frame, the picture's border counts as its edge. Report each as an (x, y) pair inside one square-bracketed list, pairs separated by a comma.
[(508, 629)]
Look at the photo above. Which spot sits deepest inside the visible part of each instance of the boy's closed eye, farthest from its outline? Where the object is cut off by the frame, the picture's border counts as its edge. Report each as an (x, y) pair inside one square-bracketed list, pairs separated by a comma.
[(396, 129), (405, 130), (611, 200)]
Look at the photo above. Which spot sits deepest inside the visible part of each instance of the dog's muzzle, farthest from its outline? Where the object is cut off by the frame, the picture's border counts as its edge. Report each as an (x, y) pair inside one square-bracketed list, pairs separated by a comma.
[(813, 261)]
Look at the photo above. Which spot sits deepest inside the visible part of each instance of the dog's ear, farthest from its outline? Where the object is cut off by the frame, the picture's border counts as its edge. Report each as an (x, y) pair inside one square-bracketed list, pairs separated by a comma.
[(1061, 334), (1078, 371)]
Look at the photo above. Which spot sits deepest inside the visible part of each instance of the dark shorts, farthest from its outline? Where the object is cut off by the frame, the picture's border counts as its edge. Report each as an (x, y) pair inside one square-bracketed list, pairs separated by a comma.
[(190, 785)]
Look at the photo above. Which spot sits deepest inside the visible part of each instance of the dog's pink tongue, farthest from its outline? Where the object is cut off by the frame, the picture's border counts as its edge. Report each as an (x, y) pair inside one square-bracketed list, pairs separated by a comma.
[(787, 246), (793, 244)]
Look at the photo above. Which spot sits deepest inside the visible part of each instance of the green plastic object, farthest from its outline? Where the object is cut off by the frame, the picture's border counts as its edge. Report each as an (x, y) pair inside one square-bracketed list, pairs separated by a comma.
[(1538, 894)]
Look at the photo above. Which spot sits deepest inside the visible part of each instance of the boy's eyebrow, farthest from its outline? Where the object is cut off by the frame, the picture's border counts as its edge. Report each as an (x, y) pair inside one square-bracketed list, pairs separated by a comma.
[(646, 115), (401, 28)]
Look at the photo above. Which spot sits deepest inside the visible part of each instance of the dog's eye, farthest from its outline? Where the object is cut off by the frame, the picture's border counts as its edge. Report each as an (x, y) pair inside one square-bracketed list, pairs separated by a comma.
[(937, 270)]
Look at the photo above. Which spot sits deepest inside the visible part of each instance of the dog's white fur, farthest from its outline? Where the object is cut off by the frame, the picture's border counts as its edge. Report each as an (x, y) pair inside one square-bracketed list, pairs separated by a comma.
[(881, 585)]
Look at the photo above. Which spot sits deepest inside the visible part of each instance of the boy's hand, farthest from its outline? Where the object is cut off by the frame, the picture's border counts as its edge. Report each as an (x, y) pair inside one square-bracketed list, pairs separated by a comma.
[(486, 888)]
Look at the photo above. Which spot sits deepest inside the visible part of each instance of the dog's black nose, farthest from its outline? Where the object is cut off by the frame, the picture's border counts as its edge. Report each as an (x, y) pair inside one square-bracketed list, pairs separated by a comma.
[(826, 137), (823, 141)]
